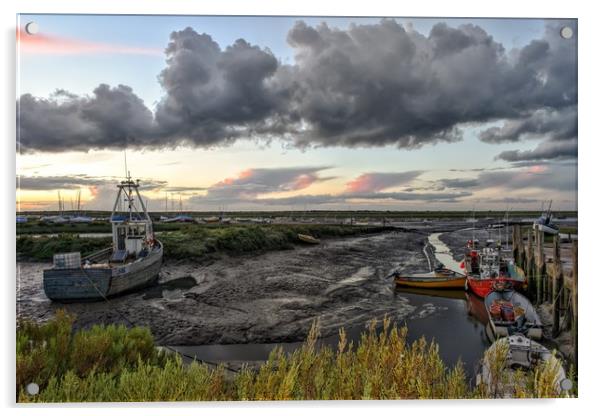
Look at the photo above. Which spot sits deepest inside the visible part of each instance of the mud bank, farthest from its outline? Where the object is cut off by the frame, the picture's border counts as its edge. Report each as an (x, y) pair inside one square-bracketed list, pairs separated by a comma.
[(254, 298)]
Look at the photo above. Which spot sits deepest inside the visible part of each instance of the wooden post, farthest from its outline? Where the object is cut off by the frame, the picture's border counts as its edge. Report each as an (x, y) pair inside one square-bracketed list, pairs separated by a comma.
[(574, 303), (521, 248), (567, 299), (557, 285), (540, 269), (514, 244), (531, 282)]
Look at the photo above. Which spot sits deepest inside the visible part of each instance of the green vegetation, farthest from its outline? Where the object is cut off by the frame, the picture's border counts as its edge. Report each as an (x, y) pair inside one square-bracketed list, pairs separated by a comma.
[(196, 241), (39, 227), (112, 363), (43, 248), (568, 230), (357, 214)]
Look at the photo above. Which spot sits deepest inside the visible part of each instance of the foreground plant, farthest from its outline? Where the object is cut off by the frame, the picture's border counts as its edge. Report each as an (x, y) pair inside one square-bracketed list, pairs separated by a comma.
[(113, 363)]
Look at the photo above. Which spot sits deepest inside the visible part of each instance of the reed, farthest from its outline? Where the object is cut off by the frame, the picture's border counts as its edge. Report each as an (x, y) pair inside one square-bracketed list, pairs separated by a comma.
[(118, 364)]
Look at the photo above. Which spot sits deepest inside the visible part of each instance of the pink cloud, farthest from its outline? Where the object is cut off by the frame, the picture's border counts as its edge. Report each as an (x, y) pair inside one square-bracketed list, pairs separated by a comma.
[(375, 182), (55, 45)]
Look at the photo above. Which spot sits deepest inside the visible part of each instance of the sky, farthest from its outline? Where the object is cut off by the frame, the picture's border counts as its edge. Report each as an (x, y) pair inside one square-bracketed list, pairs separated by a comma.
[(281, 113)]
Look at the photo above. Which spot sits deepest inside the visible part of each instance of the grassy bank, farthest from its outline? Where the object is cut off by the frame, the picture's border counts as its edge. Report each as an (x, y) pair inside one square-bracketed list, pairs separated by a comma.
[(43, 248), (94, 227), (195, 241), (113, 363)]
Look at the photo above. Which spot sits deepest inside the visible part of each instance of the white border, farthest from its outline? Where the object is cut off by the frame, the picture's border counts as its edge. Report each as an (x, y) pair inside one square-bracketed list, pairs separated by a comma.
[(589, 187)]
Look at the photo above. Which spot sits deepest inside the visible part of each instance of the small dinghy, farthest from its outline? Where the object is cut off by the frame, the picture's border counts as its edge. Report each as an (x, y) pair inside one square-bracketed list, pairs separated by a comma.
[(507, 356), (308, 239), (437, 279), (511, 313)]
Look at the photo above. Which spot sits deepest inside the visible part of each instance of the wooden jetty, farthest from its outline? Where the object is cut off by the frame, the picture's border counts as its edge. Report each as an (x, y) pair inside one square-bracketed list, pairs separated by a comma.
[(551, 271)]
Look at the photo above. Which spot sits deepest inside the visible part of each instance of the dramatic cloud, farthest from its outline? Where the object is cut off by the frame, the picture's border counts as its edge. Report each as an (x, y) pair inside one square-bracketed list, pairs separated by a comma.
[(547, 150), (375, 182), (110, 119), (555, 125), (558, 128), (380, 84), (369, 85), (214, 95)]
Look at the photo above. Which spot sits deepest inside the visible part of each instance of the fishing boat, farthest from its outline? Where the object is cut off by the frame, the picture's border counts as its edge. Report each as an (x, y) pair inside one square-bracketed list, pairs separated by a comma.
[(437, 279), (544, 222), (488, 265), (511, 313), (518, 353), (308, 239), (133, 261)]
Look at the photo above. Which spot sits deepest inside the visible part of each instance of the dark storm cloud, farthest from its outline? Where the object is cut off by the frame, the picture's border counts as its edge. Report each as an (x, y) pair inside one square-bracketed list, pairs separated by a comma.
[(551, 124), (215, 95), (108, 119), (380, 84), (558, 128), (546, 150), (368, 85)]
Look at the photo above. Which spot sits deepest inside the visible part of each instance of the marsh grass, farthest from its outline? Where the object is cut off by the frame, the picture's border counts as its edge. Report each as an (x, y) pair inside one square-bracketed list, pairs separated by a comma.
[(43, 248), (88, 366), (195, 240)]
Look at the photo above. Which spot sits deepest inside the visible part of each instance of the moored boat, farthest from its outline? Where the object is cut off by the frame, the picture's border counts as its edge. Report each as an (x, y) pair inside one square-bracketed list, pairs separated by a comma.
[(308, 239), (508, 360), (486, 266), (511, 313), (133, 261), (544, 222), (438, 279)]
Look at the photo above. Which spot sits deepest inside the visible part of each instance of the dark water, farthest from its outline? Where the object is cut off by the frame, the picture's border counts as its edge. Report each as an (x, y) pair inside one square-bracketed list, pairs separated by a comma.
[(453, 319)]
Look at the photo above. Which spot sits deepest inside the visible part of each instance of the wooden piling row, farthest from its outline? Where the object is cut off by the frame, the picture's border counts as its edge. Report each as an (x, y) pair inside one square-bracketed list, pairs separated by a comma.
[(540, 267), (574, 303), (547, 282), (557, 287)]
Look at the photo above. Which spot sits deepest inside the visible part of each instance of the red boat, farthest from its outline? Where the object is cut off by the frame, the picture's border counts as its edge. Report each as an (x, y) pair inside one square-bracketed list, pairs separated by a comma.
[(489, 266)]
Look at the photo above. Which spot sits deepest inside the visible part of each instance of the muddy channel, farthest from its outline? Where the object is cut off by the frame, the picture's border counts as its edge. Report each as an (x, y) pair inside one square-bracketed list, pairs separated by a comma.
[(237, 308)]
